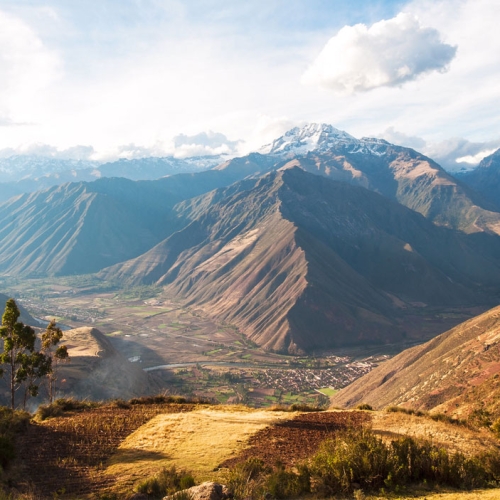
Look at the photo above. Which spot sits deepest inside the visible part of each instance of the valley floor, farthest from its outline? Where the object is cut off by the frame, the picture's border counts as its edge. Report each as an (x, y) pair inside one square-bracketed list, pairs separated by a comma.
[(186, 352)]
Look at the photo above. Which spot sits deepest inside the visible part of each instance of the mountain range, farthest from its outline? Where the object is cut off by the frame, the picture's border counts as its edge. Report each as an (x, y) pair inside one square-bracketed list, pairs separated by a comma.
[(318, 240), (27, 174), (290, 253)]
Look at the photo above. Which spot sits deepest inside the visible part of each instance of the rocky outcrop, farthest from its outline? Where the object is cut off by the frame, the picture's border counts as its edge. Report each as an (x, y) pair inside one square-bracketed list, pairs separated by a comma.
[(206, 491)]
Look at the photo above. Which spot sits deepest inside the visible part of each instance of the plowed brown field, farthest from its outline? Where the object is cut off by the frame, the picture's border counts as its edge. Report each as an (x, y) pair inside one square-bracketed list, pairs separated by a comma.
[(293, 440)]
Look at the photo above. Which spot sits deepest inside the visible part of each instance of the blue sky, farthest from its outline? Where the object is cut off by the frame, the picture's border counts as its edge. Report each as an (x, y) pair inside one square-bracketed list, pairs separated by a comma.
[(155, 77)]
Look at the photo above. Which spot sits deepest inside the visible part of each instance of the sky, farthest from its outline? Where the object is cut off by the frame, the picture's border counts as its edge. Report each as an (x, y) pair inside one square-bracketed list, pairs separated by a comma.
[(107, 79)]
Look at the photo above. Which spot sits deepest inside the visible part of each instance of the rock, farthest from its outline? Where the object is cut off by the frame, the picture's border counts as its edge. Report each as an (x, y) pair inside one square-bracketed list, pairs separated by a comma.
[(206, 491)]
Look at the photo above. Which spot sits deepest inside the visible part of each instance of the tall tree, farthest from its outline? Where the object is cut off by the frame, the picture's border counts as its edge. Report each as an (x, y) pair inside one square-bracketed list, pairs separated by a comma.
[(22, 362), (50, 338)]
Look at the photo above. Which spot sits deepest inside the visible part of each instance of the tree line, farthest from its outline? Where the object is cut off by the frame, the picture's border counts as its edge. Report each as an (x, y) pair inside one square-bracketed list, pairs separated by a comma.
[(24, 363)]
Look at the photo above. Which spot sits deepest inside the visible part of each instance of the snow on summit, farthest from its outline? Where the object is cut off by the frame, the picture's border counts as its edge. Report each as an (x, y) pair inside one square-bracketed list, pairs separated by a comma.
[(320, 137)]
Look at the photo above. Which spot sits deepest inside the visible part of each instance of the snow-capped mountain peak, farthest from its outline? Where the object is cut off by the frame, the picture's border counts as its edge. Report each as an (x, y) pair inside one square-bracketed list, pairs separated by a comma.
[(311, 137), (320, 137)]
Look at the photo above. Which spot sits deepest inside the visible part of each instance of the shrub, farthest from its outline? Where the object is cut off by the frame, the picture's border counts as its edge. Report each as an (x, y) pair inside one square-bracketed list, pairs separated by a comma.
[(364, 406), (285, 484), (247, 479), (441, 417), (358, 457), (480, 418), (160, 399), (167, 482), (295, 407), (12, 422), (496, 427), (61, 406), (406, 411)]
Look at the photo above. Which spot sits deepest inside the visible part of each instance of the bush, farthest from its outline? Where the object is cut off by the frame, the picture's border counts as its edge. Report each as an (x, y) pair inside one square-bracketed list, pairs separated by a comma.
[(364, 406), (167, 482), (247, 479), (406, 411), (294, 407), (160, 399), (358, 457), (284, 484), (61, 406), (496, 427), (12, 422), (441, 417)]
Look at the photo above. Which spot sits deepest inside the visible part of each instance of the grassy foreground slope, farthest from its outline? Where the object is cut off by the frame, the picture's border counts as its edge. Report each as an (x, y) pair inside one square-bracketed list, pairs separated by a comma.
[(91, 451)]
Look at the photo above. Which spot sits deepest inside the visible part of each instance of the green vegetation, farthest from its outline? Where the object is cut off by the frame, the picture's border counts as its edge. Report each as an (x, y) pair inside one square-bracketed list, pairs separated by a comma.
[(364, 406), (357, 460), (252, 479), (23, 364), (56, 354), (11, 423), (477, 418), (61, 406), (167, 482), (358, 457)]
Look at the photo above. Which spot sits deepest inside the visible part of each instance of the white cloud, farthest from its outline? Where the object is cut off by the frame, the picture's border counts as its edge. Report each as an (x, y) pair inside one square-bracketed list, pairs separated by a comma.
[(389, 53), (399, 138), (26, 65), (47, 151), (453, 153), (203, 144)]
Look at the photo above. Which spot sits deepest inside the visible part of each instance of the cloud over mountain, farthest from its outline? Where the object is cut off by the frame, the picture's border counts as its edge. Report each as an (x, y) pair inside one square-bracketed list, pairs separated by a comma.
[(389, 53), (204, 143)]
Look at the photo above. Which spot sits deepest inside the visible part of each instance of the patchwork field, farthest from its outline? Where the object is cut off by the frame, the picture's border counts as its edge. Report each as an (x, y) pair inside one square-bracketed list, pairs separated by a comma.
[(187, 352)]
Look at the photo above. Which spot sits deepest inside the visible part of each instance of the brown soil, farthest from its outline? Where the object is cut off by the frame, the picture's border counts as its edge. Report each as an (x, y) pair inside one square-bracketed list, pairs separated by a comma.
[(67, 454), (293, 440)]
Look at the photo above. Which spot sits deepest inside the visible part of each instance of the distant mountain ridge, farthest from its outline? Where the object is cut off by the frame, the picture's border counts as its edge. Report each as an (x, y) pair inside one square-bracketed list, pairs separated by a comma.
[(485, 178), (27, 174), (399, 173), (80, 228)]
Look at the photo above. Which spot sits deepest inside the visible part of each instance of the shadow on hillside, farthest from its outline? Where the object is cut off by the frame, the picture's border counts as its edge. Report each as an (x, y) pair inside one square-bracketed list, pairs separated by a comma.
[(132, 455)]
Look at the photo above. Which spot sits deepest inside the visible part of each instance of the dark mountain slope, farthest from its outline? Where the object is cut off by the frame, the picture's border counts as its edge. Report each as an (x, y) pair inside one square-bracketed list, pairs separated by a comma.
[(408, 177), (456, 372), (485, 179), (300, 262), (84, 227)]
